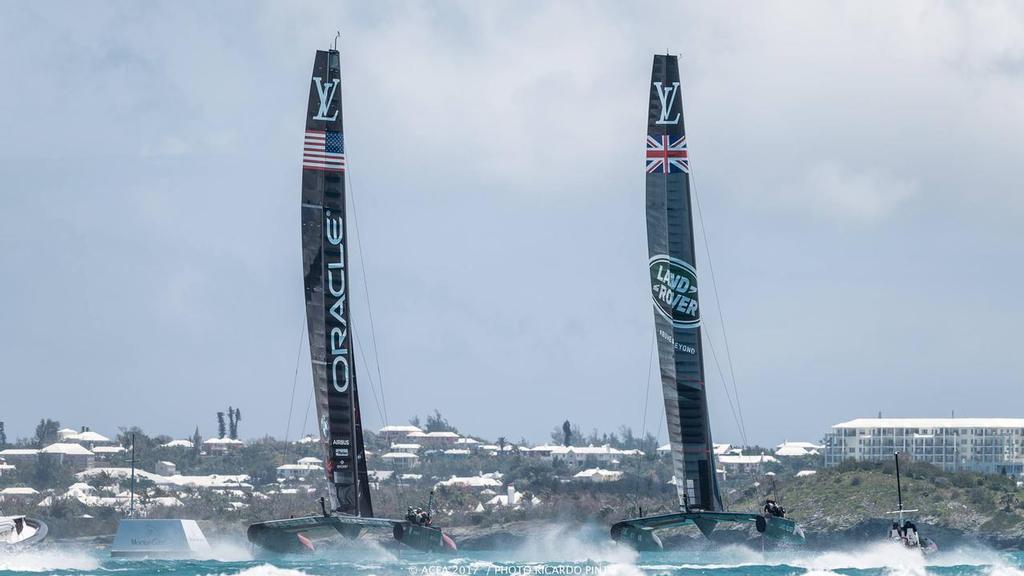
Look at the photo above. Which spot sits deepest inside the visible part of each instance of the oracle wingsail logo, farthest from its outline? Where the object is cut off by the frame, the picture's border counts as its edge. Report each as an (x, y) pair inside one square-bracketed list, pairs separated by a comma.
[(674, 290), (337, 320)]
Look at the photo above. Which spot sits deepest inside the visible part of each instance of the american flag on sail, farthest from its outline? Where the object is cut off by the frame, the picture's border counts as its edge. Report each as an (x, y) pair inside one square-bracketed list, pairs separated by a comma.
[(324, 150), (667, 154)]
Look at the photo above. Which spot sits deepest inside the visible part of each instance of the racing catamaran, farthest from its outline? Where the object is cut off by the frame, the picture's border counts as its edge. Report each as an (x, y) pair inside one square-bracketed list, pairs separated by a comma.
[(903, 531), (348, 509), (673, 276)]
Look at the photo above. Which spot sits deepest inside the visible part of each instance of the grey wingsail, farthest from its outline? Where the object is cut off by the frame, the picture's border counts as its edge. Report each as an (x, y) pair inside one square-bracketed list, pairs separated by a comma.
[(677, 323), (348, 509)]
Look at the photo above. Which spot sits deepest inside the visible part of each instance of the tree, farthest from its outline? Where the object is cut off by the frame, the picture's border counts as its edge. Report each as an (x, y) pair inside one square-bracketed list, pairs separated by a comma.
[(51, 473), (197, 444), (438, 423), (501, 445), (46, 432), (3, 436), (221, 429), (234, 417), (560, 436)]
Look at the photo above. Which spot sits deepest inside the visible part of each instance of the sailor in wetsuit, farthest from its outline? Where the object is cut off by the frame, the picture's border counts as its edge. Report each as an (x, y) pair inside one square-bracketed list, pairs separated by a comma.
[(773, 509)]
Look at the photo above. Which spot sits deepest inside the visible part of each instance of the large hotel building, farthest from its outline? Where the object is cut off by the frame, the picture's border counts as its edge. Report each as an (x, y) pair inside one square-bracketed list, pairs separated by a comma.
[(978, 444)]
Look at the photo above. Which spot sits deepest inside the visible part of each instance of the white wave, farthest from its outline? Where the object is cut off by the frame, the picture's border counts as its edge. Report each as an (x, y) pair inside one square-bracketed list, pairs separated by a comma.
[(573, 544), (230, 551), (264, 570), (897, 560), (48, 560)]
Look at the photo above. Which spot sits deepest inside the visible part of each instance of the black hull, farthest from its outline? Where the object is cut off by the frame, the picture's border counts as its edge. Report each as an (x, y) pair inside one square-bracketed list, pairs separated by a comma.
[(293, 535), (640, 532)]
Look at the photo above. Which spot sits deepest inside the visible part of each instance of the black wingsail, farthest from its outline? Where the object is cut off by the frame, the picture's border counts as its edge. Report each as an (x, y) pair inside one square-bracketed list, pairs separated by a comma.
[(674, 290), (673, 275), (325, 272), (325, 267)]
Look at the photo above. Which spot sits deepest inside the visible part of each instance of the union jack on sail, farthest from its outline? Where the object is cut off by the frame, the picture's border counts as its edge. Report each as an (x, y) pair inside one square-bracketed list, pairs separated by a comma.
[(667, 154)]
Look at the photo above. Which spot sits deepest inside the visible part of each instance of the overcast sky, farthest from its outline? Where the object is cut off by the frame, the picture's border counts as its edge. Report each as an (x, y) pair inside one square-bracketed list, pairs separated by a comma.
[(858, 165)]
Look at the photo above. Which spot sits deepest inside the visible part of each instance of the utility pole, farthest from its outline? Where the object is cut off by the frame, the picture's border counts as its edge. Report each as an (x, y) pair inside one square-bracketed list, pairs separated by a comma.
[(131, 505)]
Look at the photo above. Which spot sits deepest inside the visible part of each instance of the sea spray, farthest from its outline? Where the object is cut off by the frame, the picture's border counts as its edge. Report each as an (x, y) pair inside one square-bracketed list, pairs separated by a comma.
[(263, 570), (48, 559), (572, 544)]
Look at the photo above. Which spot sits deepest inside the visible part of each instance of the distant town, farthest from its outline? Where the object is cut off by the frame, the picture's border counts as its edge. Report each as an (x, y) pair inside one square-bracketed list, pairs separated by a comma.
[(82, 477)]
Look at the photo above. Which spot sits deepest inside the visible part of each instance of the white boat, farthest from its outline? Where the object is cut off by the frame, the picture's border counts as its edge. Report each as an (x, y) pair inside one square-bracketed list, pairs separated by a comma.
[(903, 532), (164, 539), (21, 531)]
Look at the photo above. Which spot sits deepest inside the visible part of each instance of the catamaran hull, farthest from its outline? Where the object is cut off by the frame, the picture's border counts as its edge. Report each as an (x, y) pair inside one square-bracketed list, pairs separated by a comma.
[(426, 538), (640, 532), (32, 532), (293, 535)]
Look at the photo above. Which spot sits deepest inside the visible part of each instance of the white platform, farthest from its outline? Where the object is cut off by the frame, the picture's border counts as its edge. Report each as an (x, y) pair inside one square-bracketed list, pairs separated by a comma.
[(160, 539)]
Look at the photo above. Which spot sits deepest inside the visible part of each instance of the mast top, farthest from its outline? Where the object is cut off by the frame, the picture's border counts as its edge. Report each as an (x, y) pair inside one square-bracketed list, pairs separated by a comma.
[(337, 35)]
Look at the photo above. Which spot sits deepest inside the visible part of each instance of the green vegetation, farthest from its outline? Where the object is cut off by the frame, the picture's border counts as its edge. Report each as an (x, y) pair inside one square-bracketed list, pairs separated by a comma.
[(839, 498)]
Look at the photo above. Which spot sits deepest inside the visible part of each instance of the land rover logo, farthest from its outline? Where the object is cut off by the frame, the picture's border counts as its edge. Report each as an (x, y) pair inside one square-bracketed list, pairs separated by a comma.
[(674, 289)]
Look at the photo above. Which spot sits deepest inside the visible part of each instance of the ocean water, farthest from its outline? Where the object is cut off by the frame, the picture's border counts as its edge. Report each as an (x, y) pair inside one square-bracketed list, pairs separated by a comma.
[(547, 555)]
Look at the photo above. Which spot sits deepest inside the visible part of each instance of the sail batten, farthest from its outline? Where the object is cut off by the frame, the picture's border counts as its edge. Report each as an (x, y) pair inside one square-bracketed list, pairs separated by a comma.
[(674, 290), (326, 280)]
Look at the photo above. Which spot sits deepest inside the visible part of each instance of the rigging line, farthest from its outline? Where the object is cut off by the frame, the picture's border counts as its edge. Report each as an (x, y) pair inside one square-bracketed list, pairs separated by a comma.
[(295, 377), (718, 302), (305, 419), (369, 377), (643, 430), (366, 290), (725, 386)]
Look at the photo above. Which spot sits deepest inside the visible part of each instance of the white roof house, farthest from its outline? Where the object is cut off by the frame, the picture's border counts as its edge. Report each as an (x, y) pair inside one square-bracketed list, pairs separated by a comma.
[(399, 429), (178, 444), (18, 491), (222, 441), (791, 449), (307, 439), (65, 433), (806, 473), (405, 447), (457, 452), (89, 436), (66, 448), (512, 498), (496, 448), (298, 470), (480, 481), (108, 449), (212, 481), (18, 452), (598, 475), (311, 460), (399, 456), (745, 459), (932, 423)]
